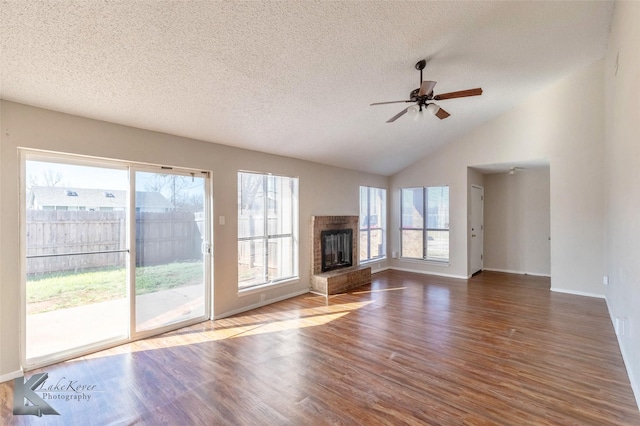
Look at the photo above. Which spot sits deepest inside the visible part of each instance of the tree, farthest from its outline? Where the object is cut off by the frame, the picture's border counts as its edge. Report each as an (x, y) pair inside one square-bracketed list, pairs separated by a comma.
[(177, 189), (250, 184), (48, 178)]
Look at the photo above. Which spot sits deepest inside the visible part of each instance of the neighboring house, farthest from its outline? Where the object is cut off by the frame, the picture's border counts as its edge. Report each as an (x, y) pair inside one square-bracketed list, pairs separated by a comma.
[(59, 198)]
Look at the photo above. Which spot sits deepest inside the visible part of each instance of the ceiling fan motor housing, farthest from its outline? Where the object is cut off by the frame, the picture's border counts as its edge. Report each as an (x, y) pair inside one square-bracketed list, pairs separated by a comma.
[(421, 100)]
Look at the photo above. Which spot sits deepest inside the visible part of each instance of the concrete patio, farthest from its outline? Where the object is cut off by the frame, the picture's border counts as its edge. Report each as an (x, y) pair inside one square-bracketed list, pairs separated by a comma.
[(64, 329)]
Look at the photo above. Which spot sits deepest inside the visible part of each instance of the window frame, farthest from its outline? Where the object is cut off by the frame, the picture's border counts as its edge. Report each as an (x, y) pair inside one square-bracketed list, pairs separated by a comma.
[(425, 229), (382, 218), (265, 236)]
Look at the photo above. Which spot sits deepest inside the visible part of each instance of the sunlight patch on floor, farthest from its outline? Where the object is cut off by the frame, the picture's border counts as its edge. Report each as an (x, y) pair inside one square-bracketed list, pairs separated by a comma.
[(238, 326), (379, 290)]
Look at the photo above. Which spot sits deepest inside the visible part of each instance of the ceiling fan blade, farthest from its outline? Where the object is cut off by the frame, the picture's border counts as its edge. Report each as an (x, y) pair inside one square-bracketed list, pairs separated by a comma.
[(426, 87), (442, 114), (460, 94), (390, 102), (398, 115)]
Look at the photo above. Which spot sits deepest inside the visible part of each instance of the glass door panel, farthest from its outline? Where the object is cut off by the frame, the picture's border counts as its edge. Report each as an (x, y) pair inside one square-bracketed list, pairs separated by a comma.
[(170, 235), (76, 256)]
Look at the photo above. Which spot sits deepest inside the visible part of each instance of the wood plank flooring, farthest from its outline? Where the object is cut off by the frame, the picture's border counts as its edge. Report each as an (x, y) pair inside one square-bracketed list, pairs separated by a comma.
[(407, 349)]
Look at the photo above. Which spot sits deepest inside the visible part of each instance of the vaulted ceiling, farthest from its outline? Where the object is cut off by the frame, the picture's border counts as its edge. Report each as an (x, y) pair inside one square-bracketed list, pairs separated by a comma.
[(294, 78)]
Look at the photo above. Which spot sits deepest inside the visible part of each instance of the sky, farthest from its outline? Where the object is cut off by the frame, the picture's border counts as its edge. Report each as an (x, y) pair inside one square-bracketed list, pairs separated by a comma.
[(78, 176)]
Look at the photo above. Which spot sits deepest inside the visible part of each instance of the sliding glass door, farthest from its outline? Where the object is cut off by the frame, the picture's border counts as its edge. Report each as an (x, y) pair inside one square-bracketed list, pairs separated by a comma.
[(171, 248), (111, 252), (76, 255)]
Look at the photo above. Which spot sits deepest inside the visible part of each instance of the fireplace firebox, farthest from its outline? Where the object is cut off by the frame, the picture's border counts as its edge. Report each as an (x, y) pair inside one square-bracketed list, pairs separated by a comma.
[(336, 249)]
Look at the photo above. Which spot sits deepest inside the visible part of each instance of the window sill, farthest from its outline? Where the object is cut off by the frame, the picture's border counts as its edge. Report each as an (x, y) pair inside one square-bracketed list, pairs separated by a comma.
[(267, 286), (371, 261), (443, 263)]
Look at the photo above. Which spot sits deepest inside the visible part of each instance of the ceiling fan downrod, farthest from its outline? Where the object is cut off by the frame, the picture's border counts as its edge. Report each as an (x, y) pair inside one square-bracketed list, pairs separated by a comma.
[(420, 66)]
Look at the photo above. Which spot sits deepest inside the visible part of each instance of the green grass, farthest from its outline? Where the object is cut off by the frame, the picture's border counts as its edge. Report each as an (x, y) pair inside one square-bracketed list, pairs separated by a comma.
[(68, 289), (150, 279)]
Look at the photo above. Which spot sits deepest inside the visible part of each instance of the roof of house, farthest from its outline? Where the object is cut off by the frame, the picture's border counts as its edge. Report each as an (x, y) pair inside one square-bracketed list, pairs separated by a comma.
[(93, 198)]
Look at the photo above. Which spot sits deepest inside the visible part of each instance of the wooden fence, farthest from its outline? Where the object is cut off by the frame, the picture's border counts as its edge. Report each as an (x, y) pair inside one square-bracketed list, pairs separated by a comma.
[(160, 238)]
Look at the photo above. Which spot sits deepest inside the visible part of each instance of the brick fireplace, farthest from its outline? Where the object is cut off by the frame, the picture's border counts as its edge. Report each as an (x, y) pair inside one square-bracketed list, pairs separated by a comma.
[(342, 279)]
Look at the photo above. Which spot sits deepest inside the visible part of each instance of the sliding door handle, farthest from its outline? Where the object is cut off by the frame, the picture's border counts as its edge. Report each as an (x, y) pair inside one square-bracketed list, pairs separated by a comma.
[(205, 247)]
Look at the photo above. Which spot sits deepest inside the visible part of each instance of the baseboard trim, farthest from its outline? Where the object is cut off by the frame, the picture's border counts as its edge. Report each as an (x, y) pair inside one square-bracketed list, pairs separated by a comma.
[(260, 304), (578, 293), (386, 268), (460, 277), (634, 385), (509, 271), (11, 376)]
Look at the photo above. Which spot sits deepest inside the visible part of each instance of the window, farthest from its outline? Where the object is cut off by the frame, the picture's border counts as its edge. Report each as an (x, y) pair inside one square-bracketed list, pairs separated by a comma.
[(373, 220), (267, 229), (425, 223)]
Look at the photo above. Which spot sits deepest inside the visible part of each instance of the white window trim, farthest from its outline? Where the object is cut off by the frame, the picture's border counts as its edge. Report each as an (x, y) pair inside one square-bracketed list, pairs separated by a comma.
[(425, 229), (294, 235), (382, 228)]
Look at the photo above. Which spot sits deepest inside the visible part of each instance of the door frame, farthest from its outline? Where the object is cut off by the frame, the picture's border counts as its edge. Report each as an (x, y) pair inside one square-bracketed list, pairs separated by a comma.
[(25, 154)]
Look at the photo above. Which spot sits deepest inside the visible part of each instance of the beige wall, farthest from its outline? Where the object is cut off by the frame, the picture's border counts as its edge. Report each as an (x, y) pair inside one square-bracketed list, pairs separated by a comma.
[(562, 126), (324, 190), (517, 222), (623, 182)]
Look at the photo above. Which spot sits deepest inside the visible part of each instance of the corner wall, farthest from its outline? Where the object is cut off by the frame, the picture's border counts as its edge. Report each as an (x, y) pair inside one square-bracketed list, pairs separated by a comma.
[(622, 84), (561, 125), (323, 190)]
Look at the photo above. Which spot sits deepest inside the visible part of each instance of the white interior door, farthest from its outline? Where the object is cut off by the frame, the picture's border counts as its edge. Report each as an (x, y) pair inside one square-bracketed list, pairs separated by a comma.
[(477, 228)]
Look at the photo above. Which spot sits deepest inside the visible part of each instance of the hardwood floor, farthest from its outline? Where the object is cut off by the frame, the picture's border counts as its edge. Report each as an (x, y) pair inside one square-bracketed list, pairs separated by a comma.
[(407, 349)]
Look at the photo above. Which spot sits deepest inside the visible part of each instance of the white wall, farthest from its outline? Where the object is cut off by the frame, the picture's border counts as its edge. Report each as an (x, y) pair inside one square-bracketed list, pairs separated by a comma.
[(623, 181), (324, 190), (4, 326), (517, 222), (561, 125)]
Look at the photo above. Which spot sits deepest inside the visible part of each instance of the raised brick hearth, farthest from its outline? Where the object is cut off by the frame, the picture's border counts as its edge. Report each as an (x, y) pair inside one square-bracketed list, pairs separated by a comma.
[(338, 280)]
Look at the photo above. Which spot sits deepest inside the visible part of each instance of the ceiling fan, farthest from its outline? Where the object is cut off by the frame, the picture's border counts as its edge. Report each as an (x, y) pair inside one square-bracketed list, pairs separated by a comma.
[(423, 96)]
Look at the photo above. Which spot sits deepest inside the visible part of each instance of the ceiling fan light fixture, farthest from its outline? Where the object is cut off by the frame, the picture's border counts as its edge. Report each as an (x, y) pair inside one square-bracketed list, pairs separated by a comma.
[(413, 110), (433, 108)]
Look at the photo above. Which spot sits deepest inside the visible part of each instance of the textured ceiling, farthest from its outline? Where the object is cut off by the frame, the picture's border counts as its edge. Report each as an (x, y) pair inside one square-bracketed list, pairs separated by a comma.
[(293, 78)]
